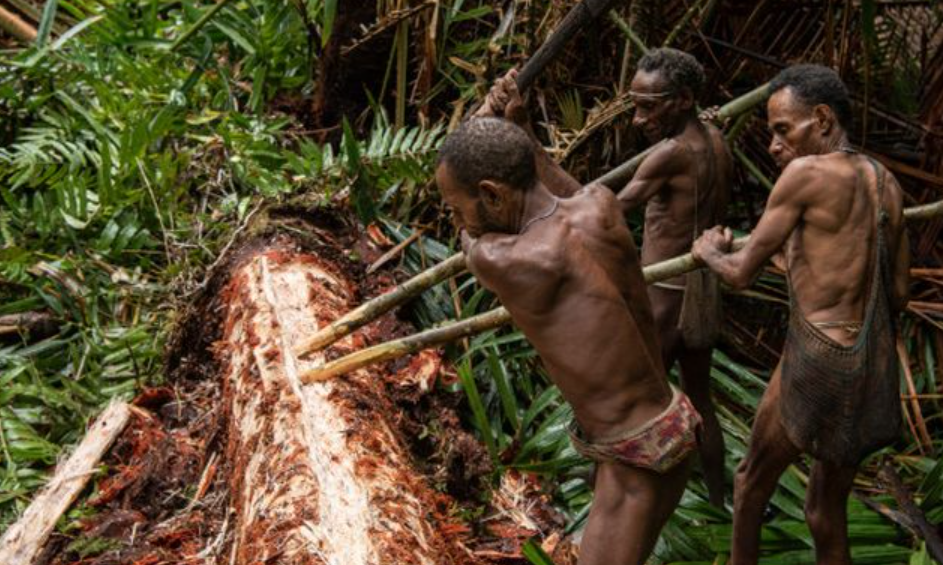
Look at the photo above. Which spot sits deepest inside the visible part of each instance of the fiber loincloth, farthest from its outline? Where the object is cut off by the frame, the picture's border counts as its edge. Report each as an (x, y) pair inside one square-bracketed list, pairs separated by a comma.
[(657, 445)]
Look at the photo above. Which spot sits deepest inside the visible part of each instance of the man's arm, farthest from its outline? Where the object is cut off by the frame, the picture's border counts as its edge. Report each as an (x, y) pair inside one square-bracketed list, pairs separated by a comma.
[(652, 176), (505, 100), (783, 212)]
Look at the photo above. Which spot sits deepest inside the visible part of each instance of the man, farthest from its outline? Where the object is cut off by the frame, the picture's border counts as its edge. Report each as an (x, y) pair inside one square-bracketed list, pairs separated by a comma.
[(685, 184), (567, 271), (838, 217)]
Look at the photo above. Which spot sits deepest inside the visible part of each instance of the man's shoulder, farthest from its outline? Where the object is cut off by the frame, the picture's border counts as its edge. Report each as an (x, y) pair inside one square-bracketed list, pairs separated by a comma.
[(536, 250), (804, 174), (669, 151)]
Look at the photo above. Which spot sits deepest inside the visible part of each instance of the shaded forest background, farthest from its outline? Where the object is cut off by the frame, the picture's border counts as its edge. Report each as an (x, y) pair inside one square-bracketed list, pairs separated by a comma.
[(140, 139)]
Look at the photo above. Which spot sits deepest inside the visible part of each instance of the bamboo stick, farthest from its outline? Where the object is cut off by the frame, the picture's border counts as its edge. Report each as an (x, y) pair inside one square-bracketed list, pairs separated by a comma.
[(373, 309), (455, 265), (498, 317), (476, 324), (15, 26)]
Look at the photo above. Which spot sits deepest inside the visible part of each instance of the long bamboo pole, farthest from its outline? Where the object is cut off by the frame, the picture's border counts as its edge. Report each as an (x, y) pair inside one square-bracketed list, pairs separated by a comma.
[(455, 265), (499, 316)]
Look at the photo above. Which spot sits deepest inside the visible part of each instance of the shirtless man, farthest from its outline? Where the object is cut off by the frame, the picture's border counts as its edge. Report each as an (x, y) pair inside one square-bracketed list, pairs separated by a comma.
[(838, 217), (685, 184), (567, 271)]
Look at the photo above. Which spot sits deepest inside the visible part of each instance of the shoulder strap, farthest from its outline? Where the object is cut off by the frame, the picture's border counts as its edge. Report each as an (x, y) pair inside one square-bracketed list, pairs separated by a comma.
[(879, 175)]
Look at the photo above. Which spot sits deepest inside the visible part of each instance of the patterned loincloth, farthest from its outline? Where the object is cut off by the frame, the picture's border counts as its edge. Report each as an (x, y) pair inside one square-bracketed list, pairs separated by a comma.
[(658, 445)]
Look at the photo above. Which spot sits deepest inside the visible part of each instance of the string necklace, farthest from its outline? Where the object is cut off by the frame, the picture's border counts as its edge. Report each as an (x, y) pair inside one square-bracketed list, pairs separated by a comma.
[(544, 216)]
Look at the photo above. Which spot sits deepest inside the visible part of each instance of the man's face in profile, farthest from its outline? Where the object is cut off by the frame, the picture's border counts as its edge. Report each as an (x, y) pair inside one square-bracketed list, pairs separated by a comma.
[(468, 211), (792, 126), (657, 108)]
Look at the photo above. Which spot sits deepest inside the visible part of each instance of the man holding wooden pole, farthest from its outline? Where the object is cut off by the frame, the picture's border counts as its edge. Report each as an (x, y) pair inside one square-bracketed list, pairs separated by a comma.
[(685, 182), (567, 271), (684, 185), (835, 394)]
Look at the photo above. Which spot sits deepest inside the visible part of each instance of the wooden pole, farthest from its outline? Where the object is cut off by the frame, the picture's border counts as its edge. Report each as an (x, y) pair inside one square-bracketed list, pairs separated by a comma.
[(471, 326), (578, 18), (23, 541), (498, 317), (15, 26), (373, 309)]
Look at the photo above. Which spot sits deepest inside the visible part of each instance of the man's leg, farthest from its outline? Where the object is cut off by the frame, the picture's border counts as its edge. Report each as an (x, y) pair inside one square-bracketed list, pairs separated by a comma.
[(826, 507), (695, 381), (630, 506), (769, 454)]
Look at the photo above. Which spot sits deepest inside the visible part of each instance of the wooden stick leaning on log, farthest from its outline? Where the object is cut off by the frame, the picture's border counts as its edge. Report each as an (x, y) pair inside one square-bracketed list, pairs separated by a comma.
[(455, 265), (498, 317)]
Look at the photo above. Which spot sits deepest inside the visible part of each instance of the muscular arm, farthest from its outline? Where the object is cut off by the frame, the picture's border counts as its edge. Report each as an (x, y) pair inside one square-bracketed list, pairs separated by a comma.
[(653, 175), (556, 179), (783, 212), (899, 256)]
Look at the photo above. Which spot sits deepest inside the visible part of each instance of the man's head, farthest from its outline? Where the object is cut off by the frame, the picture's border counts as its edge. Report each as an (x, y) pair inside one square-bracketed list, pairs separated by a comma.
[(665, 90), (485, 168), (809, 112)]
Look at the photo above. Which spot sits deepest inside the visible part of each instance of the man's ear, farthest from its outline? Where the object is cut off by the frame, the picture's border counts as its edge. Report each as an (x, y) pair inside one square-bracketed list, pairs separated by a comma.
[(824, 118), (492, 193), (686, 99)]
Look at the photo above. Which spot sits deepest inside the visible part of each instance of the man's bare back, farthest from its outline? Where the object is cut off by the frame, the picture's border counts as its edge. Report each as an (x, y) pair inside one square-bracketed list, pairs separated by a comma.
[(823, 214), (572, 283), (831, 249)]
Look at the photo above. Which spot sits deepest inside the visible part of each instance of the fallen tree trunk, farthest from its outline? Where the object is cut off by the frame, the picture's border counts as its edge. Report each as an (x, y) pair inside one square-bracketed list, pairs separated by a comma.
[(318, 475)]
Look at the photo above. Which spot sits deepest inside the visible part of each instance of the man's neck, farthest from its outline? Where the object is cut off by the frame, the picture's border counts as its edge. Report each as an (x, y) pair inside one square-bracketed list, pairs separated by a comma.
[(836, 143), (538, 202), (686, 121)]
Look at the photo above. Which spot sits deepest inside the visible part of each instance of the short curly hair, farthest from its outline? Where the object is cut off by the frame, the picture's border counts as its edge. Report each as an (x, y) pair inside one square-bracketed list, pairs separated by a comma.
[(680, 69), (490, 149), (815, 84)]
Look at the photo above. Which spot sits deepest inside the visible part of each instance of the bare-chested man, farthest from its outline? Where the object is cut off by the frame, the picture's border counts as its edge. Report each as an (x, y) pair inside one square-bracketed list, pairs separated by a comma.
[(685, 183), (567, 271), (684, 186), (838, 217)]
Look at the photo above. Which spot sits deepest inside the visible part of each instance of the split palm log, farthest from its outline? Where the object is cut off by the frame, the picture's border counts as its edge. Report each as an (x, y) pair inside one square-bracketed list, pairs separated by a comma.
[(455, 265), (23, 541), (318, 474), (498, 317)]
